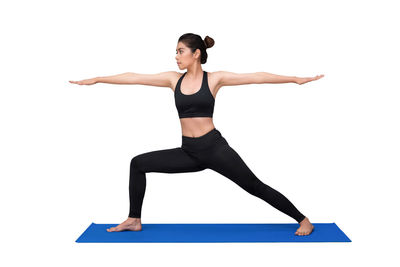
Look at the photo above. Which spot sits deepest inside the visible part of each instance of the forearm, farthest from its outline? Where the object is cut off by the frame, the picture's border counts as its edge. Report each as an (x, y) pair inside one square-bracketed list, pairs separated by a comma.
[(123, 78), (274, 78)]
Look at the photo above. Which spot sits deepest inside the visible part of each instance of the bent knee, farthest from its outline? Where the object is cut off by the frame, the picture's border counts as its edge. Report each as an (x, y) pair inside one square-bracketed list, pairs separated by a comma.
[(137, 163)]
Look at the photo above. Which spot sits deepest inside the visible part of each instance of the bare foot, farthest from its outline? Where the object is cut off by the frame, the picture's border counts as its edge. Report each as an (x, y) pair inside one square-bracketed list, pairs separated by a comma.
[(131, 224), (305, 227)]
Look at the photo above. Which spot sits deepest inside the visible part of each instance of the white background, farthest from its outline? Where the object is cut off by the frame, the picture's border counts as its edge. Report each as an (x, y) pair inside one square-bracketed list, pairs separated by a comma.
[(330, 146)]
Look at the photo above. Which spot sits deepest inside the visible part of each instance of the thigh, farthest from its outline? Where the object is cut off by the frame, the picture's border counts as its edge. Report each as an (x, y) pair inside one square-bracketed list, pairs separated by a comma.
[(173, 160)]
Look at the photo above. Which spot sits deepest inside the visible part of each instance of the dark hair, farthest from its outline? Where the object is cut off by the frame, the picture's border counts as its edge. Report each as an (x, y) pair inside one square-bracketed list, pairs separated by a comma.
[(194, 41)]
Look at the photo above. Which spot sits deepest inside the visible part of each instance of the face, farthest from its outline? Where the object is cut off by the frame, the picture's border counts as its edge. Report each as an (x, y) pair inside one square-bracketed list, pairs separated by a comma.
[(184, 56)]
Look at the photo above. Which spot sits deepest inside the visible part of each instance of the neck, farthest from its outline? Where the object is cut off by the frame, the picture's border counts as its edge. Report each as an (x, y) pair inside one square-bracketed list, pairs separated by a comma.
[(194, 72)]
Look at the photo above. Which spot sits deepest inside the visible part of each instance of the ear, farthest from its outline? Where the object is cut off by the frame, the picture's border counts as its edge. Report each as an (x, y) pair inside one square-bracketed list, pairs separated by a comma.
[(197, 53)]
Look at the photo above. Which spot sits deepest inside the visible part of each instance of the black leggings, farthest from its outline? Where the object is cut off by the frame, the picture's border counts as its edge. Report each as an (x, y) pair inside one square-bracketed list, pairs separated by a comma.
[(212, 151)]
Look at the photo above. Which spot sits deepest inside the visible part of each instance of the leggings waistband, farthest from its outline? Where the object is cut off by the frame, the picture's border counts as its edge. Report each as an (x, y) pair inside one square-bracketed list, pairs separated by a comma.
[(201, 142)]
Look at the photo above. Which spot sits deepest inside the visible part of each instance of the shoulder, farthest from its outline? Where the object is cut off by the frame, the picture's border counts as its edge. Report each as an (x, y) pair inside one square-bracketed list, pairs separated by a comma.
[(174, 77), (215, 78), (215, 74)]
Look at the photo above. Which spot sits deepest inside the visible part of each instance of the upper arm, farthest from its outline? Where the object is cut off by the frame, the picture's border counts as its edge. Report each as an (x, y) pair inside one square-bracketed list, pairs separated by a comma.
[(226, 78), (162, 79)]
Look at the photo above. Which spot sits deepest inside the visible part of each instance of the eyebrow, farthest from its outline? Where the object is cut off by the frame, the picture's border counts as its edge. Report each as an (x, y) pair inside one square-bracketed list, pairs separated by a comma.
[(179, 48)]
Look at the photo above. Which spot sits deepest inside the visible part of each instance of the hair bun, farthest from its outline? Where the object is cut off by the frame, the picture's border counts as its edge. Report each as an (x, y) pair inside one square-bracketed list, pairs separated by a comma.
[(209, 42)]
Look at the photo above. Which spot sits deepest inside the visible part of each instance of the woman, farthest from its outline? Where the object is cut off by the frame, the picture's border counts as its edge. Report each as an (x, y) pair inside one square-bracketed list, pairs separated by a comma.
[(203, 146)]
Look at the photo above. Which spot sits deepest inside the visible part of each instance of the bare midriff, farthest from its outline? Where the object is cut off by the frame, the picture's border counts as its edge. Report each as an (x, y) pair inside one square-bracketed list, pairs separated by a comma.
[(197, 126)]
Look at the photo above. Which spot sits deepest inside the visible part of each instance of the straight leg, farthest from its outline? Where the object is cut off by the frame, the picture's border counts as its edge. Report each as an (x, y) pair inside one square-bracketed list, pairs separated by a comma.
[(226, 161)]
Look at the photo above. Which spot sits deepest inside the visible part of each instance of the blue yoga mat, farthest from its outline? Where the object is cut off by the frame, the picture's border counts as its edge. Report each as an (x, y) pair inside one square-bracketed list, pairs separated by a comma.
[(211, 233)]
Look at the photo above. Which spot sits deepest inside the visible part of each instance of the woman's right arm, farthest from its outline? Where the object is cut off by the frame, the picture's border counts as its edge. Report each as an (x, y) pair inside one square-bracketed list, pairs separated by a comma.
[(162, 79)]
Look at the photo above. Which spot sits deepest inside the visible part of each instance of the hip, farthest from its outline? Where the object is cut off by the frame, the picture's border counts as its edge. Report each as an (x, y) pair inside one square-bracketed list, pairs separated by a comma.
[(207, 141)]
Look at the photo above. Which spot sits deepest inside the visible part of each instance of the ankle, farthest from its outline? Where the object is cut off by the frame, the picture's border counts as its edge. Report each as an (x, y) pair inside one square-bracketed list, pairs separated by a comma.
[(305, 220), (134, 219)]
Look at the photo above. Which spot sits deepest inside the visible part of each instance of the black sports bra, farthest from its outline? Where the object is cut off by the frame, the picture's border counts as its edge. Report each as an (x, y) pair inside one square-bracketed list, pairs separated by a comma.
[(199, 104)]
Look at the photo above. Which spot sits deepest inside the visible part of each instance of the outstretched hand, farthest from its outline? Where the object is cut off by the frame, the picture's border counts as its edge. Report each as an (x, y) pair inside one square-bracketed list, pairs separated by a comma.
[(85, 82), (308, 79)]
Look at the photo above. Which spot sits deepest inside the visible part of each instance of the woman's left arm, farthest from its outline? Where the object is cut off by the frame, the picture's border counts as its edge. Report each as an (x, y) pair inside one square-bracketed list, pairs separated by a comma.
[(274, 78), (230, 78), (300, 80)]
